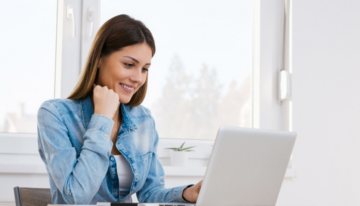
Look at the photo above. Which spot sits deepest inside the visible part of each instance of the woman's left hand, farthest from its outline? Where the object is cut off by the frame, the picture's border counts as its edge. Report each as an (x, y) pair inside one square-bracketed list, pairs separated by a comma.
[(191, 194)]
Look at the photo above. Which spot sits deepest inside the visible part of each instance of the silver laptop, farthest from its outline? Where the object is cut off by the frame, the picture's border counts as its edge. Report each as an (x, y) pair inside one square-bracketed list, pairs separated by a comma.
[(246, 167)]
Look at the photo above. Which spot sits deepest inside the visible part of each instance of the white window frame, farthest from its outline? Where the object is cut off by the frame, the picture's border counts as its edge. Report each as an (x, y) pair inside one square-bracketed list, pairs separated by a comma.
[(270, 55)]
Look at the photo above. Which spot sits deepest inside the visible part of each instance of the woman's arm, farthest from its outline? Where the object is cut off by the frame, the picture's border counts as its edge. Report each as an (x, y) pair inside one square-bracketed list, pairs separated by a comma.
[(154, 189), (78, 179)]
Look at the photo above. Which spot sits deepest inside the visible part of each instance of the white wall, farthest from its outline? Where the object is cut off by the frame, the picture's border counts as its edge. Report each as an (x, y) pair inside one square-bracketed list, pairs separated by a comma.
[(326, 104)]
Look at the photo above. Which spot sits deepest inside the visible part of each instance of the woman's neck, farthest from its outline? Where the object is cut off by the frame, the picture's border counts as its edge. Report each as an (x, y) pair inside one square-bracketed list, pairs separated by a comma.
[(116, 115)]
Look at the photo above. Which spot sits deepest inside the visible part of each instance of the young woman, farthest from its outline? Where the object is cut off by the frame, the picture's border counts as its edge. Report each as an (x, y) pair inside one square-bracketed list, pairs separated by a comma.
[(99, 145)]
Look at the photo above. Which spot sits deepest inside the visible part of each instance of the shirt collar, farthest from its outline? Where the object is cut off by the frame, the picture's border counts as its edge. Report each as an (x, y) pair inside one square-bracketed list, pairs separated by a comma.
[(127, 122), (126, 125)]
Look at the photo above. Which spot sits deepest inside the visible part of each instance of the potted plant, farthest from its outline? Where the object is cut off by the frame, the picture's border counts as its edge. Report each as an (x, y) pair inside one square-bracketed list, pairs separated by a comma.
[(180, 155)]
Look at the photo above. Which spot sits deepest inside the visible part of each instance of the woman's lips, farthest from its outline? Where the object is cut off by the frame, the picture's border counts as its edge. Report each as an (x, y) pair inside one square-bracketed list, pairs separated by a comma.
[(127, 88)]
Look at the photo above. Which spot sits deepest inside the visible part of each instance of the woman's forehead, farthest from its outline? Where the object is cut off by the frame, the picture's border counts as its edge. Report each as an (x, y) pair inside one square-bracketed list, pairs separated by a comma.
[(141, 52)]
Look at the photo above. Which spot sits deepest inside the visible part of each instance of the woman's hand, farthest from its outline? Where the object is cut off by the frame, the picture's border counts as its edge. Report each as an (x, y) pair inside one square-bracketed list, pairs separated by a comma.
[(106, 101), (191, 194)]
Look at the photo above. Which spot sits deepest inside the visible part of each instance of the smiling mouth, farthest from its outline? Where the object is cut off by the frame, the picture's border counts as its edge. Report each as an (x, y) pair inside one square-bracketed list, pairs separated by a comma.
[(127, 88)]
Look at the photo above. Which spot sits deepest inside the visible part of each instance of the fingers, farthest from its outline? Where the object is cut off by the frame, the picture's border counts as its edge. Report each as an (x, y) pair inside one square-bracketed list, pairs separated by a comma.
[(198, 186), (106, 101)]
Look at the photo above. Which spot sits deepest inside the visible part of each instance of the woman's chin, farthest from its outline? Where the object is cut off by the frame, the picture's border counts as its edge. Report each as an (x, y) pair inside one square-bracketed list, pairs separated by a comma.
[(125, 100)]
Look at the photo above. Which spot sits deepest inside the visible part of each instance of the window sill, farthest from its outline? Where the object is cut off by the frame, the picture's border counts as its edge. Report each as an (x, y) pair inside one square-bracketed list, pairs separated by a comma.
[(169, 170)]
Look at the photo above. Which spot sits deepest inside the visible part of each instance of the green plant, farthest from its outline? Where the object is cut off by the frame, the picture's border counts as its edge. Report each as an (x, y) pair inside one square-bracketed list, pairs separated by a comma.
[(181, 149)]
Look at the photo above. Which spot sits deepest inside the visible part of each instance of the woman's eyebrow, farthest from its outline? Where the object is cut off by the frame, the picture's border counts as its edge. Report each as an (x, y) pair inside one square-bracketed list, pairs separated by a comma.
[(136, 60)]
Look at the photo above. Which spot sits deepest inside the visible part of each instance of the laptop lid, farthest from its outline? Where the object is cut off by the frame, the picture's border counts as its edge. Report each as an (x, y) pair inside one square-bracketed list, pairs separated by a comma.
[(246, 167)]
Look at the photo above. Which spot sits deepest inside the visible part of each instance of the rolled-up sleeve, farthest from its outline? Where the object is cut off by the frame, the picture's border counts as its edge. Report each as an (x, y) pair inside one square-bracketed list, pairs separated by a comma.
[(154, 189), (77, 178)]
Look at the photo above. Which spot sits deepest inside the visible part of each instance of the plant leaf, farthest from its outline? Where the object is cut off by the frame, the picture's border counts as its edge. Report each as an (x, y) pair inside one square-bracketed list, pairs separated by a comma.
[(188, 148), (182, 145), (173, 148)]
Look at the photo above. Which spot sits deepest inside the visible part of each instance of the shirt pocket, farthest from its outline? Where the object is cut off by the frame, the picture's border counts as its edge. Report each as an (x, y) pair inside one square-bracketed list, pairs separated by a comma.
[(145, 165), (145, 158)]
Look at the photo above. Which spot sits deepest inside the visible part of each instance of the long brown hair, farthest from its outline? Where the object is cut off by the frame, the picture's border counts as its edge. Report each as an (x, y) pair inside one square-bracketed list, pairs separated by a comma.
[(118, 32)]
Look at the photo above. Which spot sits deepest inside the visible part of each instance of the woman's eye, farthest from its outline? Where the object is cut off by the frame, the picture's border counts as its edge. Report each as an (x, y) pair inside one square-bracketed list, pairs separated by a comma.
[(128, 65), (145, 70)]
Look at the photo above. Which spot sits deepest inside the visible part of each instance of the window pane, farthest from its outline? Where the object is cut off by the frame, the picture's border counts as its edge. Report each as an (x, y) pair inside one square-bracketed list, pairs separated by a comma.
[(27, 52), (200, 76)]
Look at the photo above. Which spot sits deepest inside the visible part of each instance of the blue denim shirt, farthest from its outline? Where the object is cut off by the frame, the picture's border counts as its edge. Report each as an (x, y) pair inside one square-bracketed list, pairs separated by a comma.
[(75, 145)]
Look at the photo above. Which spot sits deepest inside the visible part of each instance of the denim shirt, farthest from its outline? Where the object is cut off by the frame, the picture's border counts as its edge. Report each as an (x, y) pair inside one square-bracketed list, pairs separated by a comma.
[(75, 145)]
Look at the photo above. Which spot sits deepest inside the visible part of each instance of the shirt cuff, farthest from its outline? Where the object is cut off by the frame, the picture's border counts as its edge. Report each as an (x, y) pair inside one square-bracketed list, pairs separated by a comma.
[(101, 123), (179, 191)]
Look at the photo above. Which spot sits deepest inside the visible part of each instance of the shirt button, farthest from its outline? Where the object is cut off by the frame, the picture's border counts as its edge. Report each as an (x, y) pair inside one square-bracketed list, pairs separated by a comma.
[(112, 158)]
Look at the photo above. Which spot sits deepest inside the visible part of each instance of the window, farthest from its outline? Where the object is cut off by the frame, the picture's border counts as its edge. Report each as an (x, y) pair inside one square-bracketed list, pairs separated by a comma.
[(27, 51), (200, 76)]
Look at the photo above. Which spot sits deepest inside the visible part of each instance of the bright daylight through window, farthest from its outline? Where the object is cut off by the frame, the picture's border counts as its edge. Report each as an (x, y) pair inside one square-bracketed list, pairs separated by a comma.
[(200, 76), (27, 61)]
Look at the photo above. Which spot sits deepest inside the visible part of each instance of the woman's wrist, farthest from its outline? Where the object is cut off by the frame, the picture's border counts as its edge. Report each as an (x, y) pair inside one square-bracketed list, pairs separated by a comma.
[(186, 188)]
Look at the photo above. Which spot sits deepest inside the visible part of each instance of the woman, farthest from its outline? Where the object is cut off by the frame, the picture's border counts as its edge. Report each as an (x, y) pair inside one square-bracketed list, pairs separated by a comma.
[(99, 145)]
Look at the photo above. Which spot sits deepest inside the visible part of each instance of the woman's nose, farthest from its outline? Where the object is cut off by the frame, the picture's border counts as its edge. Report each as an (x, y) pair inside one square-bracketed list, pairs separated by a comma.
[(137, 75)]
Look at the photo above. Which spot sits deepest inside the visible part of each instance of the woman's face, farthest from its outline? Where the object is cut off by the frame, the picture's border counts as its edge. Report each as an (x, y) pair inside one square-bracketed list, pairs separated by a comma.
[(125, 71)]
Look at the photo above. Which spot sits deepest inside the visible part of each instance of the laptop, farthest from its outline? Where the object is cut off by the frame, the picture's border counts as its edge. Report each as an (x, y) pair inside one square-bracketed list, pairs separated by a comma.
[(246, 168)]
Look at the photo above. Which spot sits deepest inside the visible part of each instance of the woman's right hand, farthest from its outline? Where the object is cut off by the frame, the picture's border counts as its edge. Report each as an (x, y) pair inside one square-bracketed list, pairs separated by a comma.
[(106, 101)]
